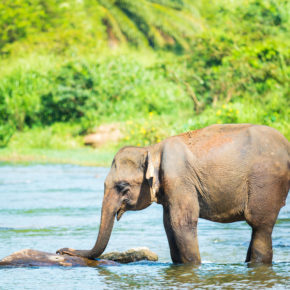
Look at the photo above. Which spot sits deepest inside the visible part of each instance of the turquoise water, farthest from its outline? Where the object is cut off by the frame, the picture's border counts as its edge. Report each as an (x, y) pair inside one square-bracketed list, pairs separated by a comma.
[(47, 207)]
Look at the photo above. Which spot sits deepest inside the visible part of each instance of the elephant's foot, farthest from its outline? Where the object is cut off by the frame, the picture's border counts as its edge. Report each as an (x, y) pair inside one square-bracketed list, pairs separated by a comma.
[(260, 249), (260, 259), (72, 252)]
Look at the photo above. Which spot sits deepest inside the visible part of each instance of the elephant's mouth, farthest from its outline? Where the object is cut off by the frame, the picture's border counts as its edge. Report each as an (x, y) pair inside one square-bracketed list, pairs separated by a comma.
[(120, 213)]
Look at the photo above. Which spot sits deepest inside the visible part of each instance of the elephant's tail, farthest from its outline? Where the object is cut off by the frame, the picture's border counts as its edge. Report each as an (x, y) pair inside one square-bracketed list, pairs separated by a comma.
[(288, 170), (288, 164)]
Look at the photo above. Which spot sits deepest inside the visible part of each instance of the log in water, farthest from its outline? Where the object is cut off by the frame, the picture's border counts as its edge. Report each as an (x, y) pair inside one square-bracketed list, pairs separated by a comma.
[(34, 258)]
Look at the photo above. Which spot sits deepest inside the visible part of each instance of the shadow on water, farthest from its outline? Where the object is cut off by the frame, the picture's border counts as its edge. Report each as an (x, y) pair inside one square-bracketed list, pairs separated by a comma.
[(209, 275)]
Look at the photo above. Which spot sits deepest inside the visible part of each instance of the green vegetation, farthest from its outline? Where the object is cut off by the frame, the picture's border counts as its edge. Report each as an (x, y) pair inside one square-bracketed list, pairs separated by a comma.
[(153, 68)]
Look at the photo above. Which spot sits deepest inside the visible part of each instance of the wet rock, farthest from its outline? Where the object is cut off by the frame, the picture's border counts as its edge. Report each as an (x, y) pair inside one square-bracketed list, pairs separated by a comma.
[(34, 258), (132, 255)]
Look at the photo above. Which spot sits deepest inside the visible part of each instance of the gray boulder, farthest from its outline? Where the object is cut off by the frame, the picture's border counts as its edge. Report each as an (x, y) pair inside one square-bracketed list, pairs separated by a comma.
[(132, 255)]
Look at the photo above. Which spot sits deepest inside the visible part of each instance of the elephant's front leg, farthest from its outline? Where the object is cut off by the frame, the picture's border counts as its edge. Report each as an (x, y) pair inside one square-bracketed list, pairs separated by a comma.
[(180, 222), (180, 202)]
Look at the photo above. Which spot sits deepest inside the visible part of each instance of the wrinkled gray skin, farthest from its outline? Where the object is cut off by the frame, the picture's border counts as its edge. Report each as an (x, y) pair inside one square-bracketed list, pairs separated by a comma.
[(222, 173)]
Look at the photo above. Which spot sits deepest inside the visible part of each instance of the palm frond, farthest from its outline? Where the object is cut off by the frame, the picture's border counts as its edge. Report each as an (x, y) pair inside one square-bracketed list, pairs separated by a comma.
[(160, 23), (157, 23), (129, 27)]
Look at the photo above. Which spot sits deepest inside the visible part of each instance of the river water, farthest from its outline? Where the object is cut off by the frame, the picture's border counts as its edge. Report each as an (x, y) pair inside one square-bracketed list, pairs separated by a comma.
[(47, 207)]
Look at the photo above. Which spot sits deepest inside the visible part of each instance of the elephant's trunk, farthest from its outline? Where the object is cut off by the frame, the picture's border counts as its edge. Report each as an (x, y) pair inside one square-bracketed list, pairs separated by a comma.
[(109, 210)]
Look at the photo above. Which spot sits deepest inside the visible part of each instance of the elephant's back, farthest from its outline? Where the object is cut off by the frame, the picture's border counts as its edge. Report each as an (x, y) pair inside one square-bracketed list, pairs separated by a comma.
[(258, 139), (270, 140), (207, 140), (225, 155), (234, 148)]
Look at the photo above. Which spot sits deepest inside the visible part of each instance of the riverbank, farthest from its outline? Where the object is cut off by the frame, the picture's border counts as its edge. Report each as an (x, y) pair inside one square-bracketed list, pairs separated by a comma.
[(58, 144)]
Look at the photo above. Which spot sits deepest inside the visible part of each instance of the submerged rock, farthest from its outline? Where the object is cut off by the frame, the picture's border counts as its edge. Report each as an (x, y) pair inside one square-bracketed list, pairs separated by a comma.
[(132, 255), (34, 258)]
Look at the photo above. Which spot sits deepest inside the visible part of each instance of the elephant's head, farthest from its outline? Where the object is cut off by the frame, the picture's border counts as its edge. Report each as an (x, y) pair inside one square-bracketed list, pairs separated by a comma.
[(128, 186)]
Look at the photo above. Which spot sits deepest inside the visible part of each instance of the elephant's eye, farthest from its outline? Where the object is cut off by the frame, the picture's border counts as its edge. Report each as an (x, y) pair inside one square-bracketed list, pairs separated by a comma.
[(122, 187), (125, 191)]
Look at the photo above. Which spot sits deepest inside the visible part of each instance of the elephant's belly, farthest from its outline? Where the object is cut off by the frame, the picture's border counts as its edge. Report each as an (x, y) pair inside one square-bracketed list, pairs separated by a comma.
[(224, 210), (223, 217), (224, 194)]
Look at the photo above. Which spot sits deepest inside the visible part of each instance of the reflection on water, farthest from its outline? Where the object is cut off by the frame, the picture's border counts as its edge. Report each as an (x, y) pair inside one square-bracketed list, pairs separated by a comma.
[(47, 207), (185, 276)]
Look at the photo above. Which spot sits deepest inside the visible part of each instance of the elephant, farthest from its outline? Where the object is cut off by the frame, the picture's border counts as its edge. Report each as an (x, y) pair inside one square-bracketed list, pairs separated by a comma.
[(222, 173)]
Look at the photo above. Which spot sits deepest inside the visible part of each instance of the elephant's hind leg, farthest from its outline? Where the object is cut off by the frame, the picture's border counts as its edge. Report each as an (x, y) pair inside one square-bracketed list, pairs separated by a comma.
[(268, 190)]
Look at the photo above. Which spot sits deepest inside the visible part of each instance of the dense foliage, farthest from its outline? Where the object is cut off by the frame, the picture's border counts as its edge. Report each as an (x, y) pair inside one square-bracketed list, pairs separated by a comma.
[(143, 23), (83, 63)]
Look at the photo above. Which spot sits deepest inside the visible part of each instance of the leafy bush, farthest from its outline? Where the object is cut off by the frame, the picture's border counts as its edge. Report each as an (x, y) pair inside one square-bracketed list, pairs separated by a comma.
[(19, 18), (88, 92), (247, 57), (6, 132), (20, 97), (145, 131), (116, 88), (67, 99), (227, 114)]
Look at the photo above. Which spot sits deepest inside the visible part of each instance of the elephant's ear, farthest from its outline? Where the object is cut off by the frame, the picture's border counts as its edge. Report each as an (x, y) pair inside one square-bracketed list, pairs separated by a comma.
[(150, 177), (149, 169)]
